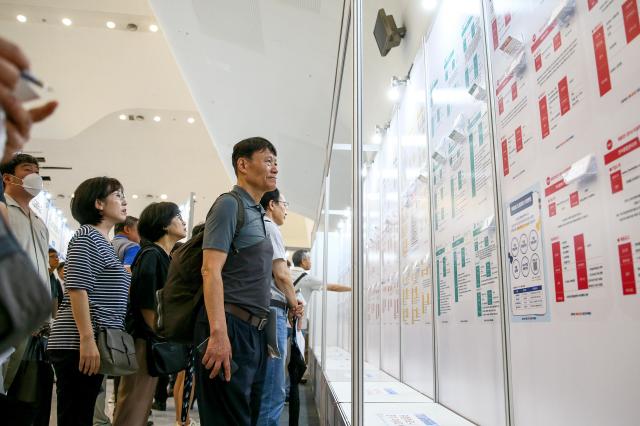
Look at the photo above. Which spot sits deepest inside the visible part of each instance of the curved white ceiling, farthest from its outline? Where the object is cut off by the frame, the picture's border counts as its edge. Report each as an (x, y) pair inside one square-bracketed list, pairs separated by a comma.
[(261, 68)]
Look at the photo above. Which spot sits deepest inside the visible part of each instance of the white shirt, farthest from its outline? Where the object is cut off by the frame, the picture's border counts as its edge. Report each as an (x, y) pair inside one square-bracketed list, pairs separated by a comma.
[(33, 237)]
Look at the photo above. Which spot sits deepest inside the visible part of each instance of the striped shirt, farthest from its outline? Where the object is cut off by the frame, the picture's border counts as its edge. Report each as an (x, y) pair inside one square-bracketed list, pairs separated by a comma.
[(92, 265)]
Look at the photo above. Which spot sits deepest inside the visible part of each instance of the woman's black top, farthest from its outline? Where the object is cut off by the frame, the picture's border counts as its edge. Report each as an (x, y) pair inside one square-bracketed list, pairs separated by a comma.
[(148, 275)]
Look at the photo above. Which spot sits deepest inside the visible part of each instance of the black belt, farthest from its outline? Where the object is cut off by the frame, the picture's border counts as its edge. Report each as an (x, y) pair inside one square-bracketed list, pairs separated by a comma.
[(245, 316), (279, 304)]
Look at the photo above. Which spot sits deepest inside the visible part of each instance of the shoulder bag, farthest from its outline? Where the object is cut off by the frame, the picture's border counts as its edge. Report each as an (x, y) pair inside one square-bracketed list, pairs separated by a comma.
[(117, 352)]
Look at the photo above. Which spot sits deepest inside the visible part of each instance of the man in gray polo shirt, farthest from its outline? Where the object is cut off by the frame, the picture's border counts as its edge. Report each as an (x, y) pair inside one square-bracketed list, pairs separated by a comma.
[(236, 273)]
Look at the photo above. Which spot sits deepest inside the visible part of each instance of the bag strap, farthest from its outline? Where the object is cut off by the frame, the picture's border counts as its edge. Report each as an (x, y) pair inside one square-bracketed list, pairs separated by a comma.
[(239, 219), (145, 249), (302, 275)]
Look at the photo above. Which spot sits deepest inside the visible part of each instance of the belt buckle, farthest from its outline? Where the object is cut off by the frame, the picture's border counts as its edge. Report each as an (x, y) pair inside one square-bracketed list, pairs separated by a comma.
[(262, 324)]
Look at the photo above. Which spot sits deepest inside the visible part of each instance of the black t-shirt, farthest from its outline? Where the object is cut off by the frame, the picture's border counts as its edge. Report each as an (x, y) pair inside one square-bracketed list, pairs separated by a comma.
[(148, 274), (2, 199)]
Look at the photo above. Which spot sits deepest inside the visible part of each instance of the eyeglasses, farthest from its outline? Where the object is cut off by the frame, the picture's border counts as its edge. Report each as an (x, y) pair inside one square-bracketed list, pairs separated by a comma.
[(284, 203), (119, 195)]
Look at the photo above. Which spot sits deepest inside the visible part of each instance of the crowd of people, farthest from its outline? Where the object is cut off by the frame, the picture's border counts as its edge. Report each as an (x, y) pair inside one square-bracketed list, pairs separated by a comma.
[(103, 302)]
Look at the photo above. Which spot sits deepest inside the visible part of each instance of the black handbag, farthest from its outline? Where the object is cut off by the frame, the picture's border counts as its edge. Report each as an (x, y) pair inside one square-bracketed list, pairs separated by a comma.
[(165, 357), (25, 301), (296, 366), (34, 370), (117, 352)]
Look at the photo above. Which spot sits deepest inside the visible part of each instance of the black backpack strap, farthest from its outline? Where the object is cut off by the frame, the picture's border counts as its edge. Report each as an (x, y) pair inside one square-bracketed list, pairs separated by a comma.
[(239, 220), (302, 275)]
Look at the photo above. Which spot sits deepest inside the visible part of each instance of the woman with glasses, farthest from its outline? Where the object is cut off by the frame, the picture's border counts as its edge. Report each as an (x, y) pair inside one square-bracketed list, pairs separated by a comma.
[(160, 227), (95, 296)]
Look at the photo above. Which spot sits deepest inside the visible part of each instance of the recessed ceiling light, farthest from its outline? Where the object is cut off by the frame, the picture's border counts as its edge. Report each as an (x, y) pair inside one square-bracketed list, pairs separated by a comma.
[(153, 28), (21, 18), (67, 22), (134, 196), (163, 196), (191, 120), (157, 118), (122, 116), (111, 25)]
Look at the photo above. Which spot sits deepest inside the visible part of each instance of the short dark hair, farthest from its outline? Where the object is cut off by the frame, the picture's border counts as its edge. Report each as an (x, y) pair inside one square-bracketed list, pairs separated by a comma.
[(155, 218), (18, 159), (60, 266), (299, 256), (197, 229), (268, 197), (83, 203), (52, 250), (246, 147), (130, 221)]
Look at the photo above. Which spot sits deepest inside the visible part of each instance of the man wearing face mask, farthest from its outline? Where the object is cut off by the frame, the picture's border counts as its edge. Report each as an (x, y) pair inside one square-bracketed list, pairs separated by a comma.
[(22, 183)]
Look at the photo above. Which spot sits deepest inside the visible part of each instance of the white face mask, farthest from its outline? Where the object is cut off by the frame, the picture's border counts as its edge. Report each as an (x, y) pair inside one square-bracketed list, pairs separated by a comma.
[(32, 183)]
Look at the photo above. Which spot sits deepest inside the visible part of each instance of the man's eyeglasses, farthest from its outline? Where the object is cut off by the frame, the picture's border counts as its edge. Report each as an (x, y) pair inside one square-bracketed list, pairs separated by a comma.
[(284, 203)]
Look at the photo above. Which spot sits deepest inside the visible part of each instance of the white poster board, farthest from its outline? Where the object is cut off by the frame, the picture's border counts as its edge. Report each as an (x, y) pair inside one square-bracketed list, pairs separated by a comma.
[(389, 251), (468, 313), (566, 79), (372, 265), (415, 236)]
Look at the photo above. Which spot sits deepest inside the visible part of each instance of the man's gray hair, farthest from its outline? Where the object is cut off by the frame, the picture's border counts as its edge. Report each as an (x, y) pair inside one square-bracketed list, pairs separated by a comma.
[(299, 256)]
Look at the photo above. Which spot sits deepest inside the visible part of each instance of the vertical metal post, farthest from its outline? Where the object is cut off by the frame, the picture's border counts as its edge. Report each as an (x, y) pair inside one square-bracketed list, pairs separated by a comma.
[(325, 273), (357, 295)]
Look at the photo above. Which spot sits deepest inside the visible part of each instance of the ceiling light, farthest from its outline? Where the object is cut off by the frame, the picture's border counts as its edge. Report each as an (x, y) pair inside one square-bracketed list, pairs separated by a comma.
[(194, 197), (111, 25), (429, 5), (122, 116), (66, 22), (134, 196), (21, 18), (157, 118), (153, 28), (191, 120), (394, 90), (163, 196)]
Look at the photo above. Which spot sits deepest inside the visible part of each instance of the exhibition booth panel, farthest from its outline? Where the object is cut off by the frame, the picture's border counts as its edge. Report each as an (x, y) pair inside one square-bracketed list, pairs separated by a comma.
[(500, 232)]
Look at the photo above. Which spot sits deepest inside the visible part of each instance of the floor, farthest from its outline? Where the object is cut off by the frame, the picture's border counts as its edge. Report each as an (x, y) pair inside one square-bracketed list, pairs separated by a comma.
[(308, 412)]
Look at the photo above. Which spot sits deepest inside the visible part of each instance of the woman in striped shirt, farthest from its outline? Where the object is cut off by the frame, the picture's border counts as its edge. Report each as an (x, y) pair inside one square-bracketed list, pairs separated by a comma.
[(96, 291)]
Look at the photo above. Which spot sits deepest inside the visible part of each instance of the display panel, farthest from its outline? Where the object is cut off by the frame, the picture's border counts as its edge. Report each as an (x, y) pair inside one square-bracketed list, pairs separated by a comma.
[(372, 264), (467, 310), (389, 250), (415, 236), (566, 78)]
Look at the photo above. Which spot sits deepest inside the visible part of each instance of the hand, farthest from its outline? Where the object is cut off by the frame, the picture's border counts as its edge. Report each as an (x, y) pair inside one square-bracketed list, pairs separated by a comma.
[(299, 310), (15, 140), (218, 355), (89, 356), (12, 62), (18, 120)]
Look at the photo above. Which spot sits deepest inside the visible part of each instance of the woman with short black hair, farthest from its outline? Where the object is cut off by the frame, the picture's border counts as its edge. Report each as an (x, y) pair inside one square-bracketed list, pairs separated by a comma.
[(95, 296), (160, 227)]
